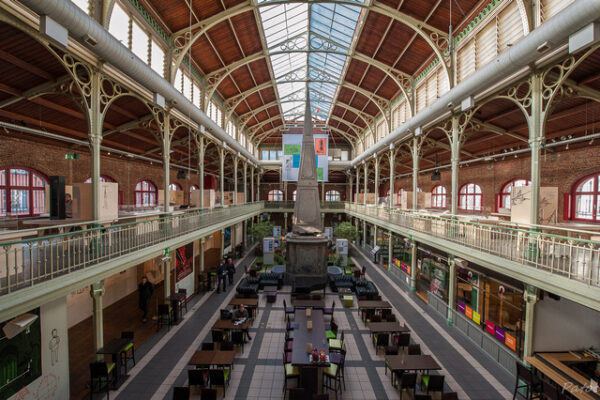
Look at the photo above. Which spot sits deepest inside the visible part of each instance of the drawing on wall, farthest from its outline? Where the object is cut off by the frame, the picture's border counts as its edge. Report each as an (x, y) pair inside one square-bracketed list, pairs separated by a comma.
[(20, 359), (46, 389), (53, 346), (184, 261)]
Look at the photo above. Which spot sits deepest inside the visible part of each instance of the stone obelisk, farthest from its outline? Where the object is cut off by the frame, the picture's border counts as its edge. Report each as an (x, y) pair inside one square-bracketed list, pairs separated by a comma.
[(306, 246)]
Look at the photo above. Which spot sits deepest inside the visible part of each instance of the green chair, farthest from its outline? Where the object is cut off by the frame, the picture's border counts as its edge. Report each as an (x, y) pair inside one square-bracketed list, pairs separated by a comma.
[(290, 371), (219, 377), (337, 344), (332, 332), (101, 377), (125, 355), (331, 379)]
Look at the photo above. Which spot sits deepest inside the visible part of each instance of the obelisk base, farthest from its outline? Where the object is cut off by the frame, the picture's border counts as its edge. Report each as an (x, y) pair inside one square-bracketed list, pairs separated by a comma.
[(306, 264)]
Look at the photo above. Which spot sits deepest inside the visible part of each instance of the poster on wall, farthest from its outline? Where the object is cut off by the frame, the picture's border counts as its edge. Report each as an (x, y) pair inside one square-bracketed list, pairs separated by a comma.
[(292, 149), (184, 261), (226, 237)]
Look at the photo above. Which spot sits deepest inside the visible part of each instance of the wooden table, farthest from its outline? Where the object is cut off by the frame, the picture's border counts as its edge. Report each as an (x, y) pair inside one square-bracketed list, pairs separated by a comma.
[(405, 362), (566, 378), (308, 303), (309, 372), (212, 357), (373, 304), (114, 347), (251, 304), (227, 325), (387, 327)]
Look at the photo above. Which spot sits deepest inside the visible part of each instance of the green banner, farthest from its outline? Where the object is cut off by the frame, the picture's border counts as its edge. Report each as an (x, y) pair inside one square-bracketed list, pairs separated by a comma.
[(319, 173), (291, 149)]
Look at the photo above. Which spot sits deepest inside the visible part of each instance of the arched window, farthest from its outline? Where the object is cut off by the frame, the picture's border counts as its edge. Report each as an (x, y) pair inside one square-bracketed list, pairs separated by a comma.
[(469, 197), (586, 196), (333, 195), (175, 186), (145, 194), (438, 197), (192, 188), (22, 192), (275, 195), (399, 196), (294, 195), (507, 190), (103, 178)]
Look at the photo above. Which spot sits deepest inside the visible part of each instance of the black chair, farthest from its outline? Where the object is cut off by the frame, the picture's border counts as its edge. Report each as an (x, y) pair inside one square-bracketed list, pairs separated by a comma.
[(375, 318), (237, 339), (290, 372), (450, 396), (289, 325), (218, 336), (208, 345), (198, 377), (296, 394), (402, 340), (332, 379), (433, 383), (391, 351), (414, 350), (529, 382), (287, 310), (125, 354), (208, 394), (164, 316), (181, 393), (408, 381), (183, 303), (550, 391), (219, 377), (226, 345), (381, 340), (329, 311), (391, 318), (339, 359), (101, 377)]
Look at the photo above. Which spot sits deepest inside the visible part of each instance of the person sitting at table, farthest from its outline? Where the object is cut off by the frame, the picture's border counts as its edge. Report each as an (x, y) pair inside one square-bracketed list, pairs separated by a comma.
[(240, 314)]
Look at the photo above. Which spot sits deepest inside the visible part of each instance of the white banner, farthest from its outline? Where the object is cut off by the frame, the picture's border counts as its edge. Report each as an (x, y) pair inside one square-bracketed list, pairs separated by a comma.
[(292, 149)]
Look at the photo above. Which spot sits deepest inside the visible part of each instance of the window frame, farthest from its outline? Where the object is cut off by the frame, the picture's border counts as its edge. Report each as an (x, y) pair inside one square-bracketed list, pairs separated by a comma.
[(504, 194), (8, 187), (435, 197), (467, 195), (154, 192), (275, 195), (335, 193), (595, 193)]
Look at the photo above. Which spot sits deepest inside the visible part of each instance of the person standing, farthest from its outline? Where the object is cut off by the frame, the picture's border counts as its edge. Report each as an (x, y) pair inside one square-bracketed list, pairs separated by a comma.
[(221, 276), (145, 289), (230, 270)]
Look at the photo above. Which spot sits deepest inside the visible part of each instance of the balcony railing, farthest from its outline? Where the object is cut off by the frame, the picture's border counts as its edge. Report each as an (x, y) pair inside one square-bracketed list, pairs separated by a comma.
[(30, 261), (549, 248), (289, 204)]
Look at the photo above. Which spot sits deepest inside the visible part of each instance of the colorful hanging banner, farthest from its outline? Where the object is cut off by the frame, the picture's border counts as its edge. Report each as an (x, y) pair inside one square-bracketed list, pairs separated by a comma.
[(476, 318), (490, 327)]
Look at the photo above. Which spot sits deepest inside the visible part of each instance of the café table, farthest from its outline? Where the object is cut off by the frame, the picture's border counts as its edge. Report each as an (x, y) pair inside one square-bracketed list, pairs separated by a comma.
[(309, 371), (207, 358), (387, 327), (404, 362), (373, 305), (114, 347), (308, 304), (176, 300), (228, 324), (251, 304)]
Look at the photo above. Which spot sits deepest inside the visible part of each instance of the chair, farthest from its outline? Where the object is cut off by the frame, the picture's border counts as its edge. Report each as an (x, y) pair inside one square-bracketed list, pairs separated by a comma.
[(296, 394), (336, 344), (433, 383), (408, 381), (402, 340), (339, 359), (363, 272), (529, 382), (375, 318), (287, 310), (381, 340), (391, 318), (332, 373), (414, 349), (181, 393), (183, 303), (218, 336), (226, 345), (385, 313), (164, 316), (101, 376), (197, 377), (238, 339), (391, 351), (208, 394), (289, 325), (450, 396), (219, 377), (332, 332), (290, 372), (208, 346), (125, 353), (329, 311)]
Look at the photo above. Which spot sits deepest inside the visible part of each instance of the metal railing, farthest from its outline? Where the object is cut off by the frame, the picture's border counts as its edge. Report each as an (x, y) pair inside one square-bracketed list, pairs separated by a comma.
[(30, 261), (289, 204), (552, 249)]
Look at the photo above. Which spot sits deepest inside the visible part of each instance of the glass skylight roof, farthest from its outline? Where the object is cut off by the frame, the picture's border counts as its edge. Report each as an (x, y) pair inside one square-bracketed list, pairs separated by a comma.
[(308, 46)]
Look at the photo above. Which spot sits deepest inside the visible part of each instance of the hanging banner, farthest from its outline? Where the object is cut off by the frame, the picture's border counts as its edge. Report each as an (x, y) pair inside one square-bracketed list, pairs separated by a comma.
[(292, 149)]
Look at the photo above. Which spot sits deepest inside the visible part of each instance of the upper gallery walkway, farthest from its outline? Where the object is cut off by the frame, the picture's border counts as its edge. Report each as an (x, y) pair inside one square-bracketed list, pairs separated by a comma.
[(557, 259)]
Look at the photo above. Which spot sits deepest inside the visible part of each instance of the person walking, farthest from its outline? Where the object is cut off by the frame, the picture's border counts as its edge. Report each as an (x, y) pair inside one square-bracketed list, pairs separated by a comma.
[(221, 276), (145, 289), (230, 270), (242, 314)]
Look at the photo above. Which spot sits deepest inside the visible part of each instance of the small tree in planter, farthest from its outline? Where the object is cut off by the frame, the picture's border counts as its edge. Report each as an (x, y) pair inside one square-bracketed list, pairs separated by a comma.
[(260, 231)]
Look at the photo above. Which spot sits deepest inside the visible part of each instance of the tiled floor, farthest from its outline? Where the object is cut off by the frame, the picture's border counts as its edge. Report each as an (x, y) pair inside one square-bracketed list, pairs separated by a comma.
[(258, 373)]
